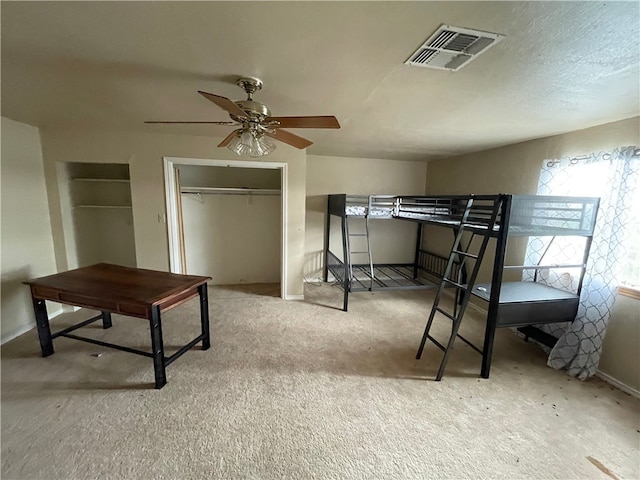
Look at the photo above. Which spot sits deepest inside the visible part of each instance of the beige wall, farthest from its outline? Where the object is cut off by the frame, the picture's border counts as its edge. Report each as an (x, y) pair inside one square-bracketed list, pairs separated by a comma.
[(621, 351), (392, 241), (144, 153), (27, 244), (515, 169), (233, 238), (224, 177)]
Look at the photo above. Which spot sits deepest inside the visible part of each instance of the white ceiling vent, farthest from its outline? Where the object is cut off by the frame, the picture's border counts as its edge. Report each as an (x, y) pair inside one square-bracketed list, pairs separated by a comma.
[(451, 48)]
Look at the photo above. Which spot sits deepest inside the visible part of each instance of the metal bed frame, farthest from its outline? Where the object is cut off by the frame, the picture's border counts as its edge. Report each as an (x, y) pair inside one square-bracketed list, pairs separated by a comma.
[(510, 304), (362, 276)]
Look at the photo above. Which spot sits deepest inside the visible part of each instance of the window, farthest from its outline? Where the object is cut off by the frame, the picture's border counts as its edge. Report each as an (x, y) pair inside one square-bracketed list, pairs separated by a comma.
[(615, 178), (631, 264), (615, 252)]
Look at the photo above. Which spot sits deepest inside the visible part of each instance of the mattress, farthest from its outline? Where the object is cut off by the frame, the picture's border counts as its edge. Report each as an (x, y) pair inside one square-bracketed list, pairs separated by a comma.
[(361, 210)]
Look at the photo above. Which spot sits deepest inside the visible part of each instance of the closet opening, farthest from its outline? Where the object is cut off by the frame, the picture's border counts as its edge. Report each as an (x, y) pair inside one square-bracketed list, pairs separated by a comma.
[(226, 220)]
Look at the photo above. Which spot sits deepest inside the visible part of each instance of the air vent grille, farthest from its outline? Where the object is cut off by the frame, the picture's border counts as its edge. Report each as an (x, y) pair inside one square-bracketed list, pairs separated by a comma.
[(450, 48)]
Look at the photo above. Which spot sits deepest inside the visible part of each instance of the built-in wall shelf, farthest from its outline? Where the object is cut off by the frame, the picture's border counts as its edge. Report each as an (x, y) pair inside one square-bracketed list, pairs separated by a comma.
[(102, 206), (82, 179), (98, 214), (230, 191), (105, 189)]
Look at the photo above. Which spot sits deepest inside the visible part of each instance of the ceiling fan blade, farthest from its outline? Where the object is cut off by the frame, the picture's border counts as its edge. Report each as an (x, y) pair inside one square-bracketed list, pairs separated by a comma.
[(224, 103), (290, 138), (197, 122), (228, 138), (328, 121)]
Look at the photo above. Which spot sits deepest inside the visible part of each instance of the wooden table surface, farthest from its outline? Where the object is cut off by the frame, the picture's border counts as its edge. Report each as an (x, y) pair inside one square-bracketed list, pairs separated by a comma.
[(118, 289), (133, 292)]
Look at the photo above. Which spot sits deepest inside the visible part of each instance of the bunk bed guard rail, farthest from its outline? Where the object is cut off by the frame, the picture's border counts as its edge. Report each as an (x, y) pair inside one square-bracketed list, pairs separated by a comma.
[(449, 210), (546, 215), (529, 215)]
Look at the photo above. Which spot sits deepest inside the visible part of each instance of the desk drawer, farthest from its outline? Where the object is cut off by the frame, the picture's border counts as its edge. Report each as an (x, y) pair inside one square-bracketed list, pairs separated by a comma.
[(45, 293), (82, 301)]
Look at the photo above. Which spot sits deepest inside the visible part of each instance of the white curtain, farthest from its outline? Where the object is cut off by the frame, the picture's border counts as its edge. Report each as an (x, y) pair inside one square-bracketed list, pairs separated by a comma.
[(615, 178)]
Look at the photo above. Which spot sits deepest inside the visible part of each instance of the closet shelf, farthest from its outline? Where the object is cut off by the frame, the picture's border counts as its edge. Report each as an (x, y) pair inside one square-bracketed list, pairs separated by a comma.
[(229, 191)]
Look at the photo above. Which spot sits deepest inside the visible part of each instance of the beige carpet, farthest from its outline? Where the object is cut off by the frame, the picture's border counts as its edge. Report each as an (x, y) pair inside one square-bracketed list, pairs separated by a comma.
[(300, 390)]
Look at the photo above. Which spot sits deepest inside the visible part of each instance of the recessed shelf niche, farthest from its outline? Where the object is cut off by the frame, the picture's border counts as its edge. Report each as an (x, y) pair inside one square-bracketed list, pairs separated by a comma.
[(101, 216)]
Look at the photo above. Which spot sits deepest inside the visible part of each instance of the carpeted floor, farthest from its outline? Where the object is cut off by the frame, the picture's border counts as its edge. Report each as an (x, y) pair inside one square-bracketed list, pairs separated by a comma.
[(300, 390)]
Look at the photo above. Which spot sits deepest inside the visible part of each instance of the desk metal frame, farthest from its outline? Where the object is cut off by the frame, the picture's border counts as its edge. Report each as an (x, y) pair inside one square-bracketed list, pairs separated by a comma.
[(152, 313)]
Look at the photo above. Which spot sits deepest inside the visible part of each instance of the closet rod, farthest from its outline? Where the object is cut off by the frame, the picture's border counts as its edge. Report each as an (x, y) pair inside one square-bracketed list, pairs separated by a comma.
[(229, 191)]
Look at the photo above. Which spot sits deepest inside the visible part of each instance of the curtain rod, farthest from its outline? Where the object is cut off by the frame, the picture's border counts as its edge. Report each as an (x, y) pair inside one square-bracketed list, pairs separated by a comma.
[(229, 191), (575, 160)]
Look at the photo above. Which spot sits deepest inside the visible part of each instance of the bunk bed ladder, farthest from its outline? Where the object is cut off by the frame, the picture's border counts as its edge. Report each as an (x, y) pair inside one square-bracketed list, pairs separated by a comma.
[(459, 250), (366, 247)]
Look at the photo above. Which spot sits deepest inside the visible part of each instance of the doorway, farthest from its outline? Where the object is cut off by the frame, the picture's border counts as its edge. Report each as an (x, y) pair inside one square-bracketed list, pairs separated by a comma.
[(175, 193)]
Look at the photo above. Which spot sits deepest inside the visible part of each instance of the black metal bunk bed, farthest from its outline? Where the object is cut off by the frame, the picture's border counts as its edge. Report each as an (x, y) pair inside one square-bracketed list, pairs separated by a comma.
[(510, 304), (354, 269)]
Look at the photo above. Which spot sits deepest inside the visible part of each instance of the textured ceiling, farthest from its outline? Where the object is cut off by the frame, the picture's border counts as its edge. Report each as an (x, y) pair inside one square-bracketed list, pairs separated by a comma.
[(563, 66)]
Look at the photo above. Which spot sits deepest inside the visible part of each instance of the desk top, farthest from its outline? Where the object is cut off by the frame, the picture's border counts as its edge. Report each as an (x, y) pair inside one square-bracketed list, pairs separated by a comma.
[(130, 291), (524, 292)]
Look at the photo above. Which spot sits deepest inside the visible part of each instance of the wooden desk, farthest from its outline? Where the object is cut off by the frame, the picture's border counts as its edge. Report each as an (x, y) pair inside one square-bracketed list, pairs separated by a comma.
[(128, 291)]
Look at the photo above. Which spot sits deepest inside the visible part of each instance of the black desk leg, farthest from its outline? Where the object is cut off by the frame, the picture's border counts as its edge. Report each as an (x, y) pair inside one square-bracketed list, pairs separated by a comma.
[(157, 347), (42, 322), (204, 316), (106, 320)]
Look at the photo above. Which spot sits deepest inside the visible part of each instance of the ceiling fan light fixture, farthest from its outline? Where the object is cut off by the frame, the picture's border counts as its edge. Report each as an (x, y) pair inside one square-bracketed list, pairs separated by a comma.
[(252, 143), (266, 144), (257, 126)]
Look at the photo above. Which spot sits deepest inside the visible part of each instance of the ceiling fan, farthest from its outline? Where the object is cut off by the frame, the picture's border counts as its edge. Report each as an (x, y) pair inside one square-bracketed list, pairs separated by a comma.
[(255, 123)]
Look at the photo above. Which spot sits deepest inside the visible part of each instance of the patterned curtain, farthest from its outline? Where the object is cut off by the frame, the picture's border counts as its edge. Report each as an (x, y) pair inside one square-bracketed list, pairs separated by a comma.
[(615, 178)]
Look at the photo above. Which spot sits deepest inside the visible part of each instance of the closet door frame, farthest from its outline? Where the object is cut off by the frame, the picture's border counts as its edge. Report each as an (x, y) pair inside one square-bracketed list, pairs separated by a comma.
[(176, 246)]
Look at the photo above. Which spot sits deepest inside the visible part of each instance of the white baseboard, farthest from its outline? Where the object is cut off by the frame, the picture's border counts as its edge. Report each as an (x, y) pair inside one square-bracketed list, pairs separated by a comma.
[(58, 311), (449, 292), (618, 384), (25, 328), (17, 333), (601, 375), (294, 297), (478, 308)]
